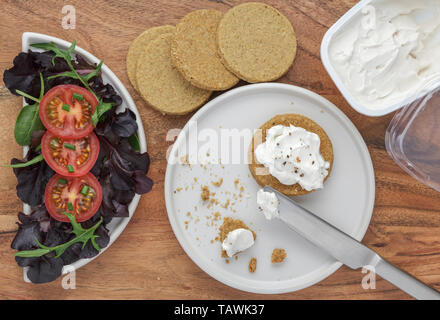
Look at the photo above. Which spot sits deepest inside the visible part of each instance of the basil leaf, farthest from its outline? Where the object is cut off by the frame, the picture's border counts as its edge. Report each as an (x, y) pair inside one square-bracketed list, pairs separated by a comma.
[(26, 164), (28, 121)]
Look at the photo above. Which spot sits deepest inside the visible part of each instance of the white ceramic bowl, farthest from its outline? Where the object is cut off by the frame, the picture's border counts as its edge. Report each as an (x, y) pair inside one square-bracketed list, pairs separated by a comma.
[(325, 45), (117, 225)]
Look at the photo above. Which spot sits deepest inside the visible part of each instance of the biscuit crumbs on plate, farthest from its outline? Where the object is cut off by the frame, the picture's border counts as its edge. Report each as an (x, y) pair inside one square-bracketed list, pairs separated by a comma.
[(278, 255), (217, 183), (229, 225), (252, 265), (205, 193)]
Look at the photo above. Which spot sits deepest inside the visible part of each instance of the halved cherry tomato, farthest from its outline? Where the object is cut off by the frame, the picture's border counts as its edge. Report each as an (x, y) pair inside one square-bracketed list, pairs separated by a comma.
[(66, 111), (71, 158), (79, 196)]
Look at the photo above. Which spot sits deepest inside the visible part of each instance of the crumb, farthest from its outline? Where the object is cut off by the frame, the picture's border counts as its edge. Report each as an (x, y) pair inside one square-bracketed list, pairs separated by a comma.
[(236, 182), (252, 265), (229, 225), (216, 215), (158, 278), (218, 183), (178, 189), (205, 193), (278, 255), (227, 261), (184, 160), (226, 205), (195, 179)]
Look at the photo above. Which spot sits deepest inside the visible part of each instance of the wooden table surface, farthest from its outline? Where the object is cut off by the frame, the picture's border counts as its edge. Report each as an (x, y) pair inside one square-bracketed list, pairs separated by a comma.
[(147, 262)]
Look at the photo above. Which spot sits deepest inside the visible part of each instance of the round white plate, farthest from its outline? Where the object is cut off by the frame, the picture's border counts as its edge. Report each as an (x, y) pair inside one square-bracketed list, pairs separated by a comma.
[(346, 201), (117, 225)]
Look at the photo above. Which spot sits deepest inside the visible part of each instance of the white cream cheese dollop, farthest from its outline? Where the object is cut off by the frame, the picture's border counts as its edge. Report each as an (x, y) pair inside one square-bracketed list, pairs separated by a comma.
[(292, 155), (268, 204), (389, 51), (237, 241)]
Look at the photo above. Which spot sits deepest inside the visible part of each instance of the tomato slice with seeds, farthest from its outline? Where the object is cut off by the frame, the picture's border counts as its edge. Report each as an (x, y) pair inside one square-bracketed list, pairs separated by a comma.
[(71, 158), (66, 111), (79, 196)]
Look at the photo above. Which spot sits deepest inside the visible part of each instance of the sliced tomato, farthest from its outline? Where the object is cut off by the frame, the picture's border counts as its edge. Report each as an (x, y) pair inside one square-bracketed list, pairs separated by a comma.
[(71, 158), (79, 196), (66, 111)]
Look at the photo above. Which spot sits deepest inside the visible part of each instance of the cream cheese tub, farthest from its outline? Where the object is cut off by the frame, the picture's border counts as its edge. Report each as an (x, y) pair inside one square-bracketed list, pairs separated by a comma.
[(381, 53)]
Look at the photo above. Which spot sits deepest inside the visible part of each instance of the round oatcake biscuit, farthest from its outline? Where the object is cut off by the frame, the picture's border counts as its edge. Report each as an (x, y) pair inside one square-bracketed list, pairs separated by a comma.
[(138, 45), (161, 85), (194, 51), (256, 42), (297, 120)]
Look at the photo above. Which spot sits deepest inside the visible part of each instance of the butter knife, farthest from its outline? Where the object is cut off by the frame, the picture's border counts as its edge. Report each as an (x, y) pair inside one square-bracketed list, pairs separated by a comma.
[(346, 249)]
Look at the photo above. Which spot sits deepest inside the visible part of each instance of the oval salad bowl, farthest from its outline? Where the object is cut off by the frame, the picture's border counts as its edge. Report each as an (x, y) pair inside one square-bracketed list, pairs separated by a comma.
[(117, 224)]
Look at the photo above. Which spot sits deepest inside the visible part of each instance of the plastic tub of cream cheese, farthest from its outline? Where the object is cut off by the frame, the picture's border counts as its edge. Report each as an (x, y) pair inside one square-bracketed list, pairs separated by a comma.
[(413, 136), (381, 53)]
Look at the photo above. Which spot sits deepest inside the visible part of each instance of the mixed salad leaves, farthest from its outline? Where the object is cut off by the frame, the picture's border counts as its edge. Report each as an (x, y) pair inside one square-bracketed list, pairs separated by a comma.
[(44, 243)]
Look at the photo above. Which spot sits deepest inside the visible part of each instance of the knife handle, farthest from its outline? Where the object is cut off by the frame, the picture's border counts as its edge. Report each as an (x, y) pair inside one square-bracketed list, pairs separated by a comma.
[(405, 281)]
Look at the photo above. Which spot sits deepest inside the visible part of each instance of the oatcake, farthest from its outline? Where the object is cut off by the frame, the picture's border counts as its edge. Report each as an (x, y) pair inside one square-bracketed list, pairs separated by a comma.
[(297, 120), (256, 42), (138, 45), (161, 85), (194, 51)]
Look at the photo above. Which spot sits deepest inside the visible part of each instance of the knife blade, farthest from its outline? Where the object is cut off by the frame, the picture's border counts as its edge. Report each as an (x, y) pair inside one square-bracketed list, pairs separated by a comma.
[(345, 248)]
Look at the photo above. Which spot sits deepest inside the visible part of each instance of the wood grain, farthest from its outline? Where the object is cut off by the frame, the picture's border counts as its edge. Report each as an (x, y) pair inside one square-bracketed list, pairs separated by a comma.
[(147, 262)]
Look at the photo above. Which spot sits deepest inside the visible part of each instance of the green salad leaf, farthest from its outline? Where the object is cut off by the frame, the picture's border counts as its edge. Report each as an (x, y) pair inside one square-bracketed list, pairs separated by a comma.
[(134, 142), (74, 75), (67, 55), (101, 108), (50, 46), (26, 164), (28, 119), (81, 235)]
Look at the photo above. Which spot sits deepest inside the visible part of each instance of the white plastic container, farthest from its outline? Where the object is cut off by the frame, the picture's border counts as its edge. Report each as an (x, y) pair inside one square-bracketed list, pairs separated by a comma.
[(334, 31)]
